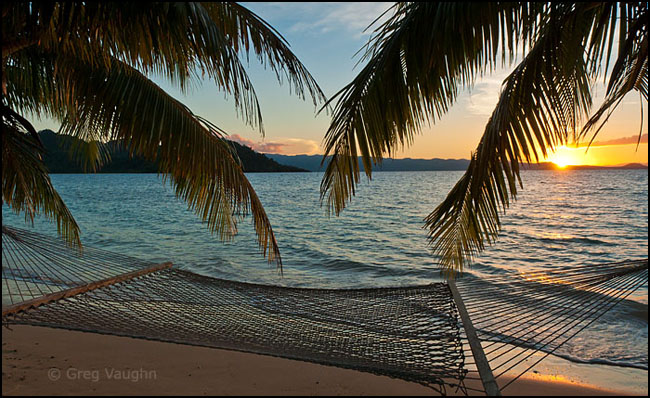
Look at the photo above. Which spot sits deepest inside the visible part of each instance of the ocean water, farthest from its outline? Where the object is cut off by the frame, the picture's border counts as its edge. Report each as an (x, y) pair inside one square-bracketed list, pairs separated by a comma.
[(561, 218)]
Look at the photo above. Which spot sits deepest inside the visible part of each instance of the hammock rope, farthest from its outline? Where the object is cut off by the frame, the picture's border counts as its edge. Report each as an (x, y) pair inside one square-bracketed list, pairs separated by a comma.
[(409, 333), (510, 312), (413, 333)]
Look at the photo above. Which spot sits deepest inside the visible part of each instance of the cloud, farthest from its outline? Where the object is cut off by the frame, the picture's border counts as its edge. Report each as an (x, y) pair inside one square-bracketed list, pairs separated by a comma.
[(353, 17), (265, 147), (284, 146), (484, 96), (324, 17), (633, 139)]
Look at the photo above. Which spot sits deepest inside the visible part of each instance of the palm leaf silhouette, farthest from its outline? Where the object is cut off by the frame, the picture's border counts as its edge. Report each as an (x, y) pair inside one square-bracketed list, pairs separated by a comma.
[(420, 58), (77, 63)]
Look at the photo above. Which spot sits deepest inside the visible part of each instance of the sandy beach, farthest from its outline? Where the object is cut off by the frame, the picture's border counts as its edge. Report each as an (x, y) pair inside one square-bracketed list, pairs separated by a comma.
[(43, 361), (202, 198)]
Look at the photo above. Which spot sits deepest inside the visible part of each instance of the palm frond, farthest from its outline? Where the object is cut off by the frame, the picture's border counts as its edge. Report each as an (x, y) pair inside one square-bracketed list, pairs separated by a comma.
[(419, 59), (179, 41), (417, 62), (77, 63), (35, 85), (540, 106), (26, 185), (247, 33), (630, 71), (190, 151)]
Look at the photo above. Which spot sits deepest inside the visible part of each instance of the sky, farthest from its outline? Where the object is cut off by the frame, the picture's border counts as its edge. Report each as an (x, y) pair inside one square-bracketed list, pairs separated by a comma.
[(325, 37)]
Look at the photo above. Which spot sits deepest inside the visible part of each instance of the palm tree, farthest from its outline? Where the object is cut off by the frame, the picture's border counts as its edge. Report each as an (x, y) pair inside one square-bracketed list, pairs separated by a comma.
[(87, 66), (421, 56)]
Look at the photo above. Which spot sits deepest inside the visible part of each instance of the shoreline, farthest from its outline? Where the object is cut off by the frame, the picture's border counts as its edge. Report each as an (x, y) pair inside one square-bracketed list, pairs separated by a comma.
[(43, 361)]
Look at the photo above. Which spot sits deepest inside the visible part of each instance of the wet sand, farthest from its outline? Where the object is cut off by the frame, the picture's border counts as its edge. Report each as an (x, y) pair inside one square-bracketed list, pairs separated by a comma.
[(45, 361)]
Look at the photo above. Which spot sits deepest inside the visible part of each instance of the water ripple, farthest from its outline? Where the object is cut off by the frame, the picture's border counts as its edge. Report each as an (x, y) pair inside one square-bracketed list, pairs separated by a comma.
[(560, 219)]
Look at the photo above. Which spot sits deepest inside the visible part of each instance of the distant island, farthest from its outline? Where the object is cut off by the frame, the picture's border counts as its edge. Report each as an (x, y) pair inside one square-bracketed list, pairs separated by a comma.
[(313, 163), (58, 160), (553, 166)]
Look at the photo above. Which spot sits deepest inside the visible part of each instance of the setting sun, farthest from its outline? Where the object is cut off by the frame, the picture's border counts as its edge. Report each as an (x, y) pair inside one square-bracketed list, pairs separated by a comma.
[(599, 155), (562, 162), (564, 156)]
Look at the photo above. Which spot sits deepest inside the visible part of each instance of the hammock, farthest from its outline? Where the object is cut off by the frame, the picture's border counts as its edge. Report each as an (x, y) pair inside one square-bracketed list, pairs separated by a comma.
[(420, 333), (541, 311)]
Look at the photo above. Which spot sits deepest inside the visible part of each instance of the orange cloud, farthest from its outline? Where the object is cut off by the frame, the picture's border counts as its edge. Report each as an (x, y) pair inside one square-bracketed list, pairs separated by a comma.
[(264, 147), (633, 139), (284, 146)]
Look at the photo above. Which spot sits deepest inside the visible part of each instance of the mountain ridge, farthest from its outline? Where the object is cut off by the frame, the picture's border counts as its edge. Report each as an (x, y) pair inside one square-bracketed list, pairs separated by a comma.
[(57, 158), (313, 163)]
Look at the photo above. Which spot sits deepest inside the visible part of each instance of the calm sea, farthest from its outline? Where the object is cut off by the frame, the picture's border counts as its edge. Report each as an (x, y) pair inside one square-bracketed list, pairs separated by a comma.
[(561, 218)]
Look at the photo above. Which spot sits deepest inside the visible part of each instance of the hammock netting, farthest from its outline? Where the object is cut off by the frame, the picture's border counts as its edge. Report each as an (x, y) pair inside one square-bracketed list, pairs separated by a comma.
[(541, 311), (408, 333), (412, 333)]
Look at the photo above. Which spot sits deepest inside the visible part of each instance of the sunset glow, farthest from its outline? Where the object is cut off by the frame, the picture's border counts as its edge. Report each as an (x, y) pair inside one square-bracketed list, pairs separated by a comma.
[(599, 155), (564, 156), (327, 44)]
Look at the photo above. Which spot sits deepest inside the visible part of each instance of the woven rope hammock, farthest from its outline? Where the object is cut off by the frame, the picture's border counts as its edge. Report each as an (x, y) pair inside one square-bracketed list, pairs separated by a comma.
[(439, 335)]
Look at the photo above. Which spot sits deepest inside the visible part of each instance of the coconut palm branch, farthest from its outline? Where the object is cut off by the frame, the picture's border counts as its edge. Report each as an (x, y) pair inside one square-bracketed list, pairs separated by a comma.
[(82, 67), (419, 59), (417, 62), (26, 185), (630, 71)]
